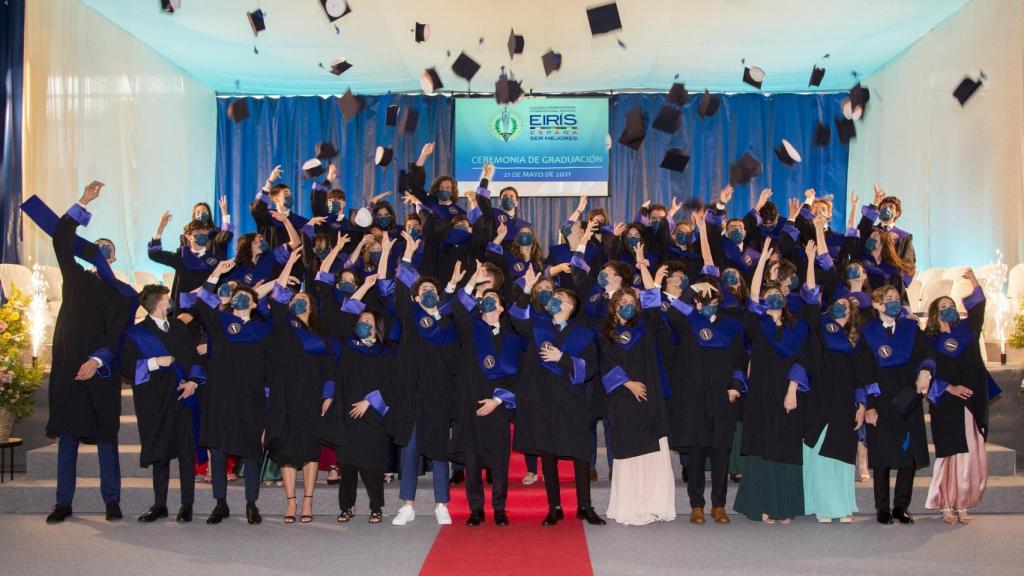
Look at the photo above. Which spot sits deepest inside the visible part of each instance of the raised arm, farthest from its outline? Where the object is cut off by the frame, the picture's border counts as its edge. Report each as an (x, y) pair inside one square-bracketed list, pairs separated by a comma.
[(755, 283)]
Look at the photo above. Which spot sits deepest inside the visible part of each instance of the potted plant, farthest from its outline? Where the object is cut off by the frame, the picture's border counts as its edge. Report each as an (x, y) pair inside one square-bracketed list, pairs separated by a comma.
[(19, 377)]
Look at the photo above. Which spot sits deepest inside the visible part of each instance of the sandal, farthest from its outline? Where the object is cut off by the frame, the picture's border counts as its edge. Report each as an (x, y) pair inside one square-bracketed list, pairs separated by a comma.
[(376, 517), (307, 518), (333, 481), (289, 519), (948, 517), (961, 514), (766, 519), (346, 515), (846, 519)]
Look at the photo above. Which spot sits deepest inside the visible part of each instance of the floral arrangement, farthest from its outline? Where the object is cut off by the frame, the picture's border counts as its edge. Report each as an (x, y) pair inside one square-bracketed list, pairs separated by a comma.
[(18, 378), (1017, 333)]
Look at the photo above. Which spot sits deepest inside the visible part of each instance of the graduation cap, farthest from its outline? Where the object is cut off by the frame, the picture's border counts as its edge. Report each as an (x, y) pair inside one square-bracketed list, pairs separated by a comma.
[(846, 130), (744, 169), (339, 66), (422, 32), (906, 402), (238, 110), (856, 102), (506, 90), (668, 120), (753, 75), (675, 160), (312, 168), (256, 21), (382, 156), (677, 94), (335, 9), (786, 153), (350, 104), (822, 135), (170, 5), (465, 67), (392, 115), (633, 134), (430, 81), (604, 18), (516, 43), (817, 75), (708, 104), (552, 61), (967, 87), (326, 151), (411, 120)]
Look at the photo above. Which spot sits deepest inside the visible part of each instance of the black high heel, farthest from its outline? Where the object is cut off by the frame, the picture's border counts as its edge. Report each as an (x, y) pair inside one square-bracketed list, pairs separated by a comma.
[(289, 519), (306, 518)]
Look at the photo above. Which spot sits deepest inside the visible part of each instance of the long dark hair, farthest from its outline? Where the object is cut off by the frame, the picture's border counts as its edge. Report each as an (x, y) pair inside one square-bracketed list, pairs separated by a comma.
[(243, 250), (313, 323), (787, 317), (611, 321), (437, 185), (932, 327), (536, 258), (741, 291)]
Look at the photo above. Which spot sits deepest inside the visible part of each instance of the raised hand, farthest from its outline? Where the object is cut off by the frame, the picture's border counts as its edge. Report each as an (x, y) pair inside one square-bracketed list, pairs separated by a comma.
[(425, 153), (223, 267), (411, 244), (640, 260), (274, 174), (879, 195), (379, 197), (704, 289), (582, 204), (409, 199), (763, 199), (457, 274), (530, 279), (223, 203), (661, 274), (676, 205), (725, 194), (809, 195), (91, 192), (164, 219), (619, 229), (810, 250), (794, 208), (369, 281), (280, 217), (332, 172), (316, 220), (969, 276), (342, 241), (488, 170), (502, 232)]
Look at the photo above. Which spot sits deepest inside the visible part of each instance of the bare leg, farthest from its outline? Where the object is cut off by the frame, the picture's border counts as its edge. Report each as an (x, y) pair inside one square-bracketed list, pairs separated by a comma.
[(288, 475), (309, 473)]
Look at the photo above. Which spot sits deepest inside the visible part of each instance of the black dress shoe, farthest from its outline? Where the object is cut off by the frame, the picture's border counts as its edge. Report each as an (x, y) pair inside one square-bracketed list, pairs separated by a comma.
[(59, 514), (476, 517), (884, 517), (220, 512), (554, 515), (902, 515), (735, 478), (500, 518), (114, 512), (590, 516), (252, 513), (686, 475), (153, 514), (184, 513), (458, 477)]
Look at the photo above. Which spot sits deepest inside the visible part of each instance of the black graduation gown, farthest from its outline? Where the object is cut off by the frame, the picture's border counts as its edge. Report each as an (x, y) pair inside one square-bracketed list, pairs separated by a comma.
[(190, 270), (165, 423), (553, 410), (958, 361), (636, 425), (93, 315), (234, 404), (302, 366), (593, 311), (838, 370), (711, 360), (897, 440), (273, 231)]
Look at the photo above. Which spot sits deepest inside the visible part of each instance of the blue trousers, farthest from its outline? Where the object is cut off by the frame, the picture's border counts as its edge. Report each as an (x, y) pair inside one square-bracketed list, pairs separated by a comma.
[(408, 473), (219, 476), (67, 470), (593, 441)]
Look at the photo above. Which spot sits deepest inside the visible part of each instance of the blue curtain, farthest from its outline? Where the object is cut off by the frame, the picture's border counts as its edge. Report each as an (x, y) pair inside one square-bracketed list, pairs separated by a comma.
[(12, 49), (285, 131)]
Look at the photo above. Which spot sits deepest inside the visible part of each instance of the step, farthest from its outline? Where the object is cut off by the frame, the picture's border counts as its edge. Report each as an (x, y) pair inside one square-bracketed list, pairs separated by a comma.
[(127, 402), (1004, 495)]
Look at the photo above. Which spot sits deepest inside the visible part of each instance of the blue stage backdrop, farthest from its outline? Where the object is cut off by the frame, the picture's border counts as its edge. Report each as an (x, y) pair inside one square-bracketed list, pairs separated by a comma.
[(286, 130)]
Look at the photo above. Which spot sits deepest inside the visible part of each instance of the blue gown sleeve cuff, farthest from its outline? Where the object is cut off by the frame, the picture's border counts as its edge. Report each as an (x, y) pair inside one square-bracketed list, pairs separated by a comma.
[(376, 401), (872, 390), (496, 249), (714, 217), (407, 274), (825, 261), (386, 286), (811, 295), (860, 397), (79, 214), (613, 379), (508, 399), (353, 306), (483, 191), (936, 390), (756, 308), (799, 375), (474, 215), (187, 300), (266, 392), (976, 297), (683, 307), (756, 216), (870, 212), (710, 270), (791, 230), (577, 261), (467, 301), (805, 212), (281, 294), (206, 295), (325, 277), (328, 391), (650, 298), (141, 371), (107, 358), (155, 245), (852, 233), (197, 374), (928, 365), (519, 313), (309, 231), (281, 254), (263, 197), (741, 377), (579, 370)]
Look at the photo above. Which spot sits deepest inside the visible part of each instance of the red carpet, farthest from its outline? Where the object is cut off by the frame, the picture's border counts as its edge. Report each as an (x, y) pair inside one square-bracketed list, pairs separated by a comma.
[(523, 547)]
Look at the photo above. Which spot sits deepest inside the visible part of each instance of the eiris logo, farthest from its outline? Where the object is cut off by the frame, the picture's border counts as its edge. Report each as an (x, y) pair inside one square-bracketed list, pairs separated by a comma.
[(505, 124)]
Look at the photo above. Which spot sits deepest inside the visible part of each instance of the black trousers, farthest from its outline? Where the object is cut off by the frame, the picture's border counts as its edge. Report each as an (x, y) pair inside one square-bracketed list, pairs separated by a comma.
[(695, 475), (581, 472), (499, 486), (904, 487), (219, 476), (373, 480), (186, 472)]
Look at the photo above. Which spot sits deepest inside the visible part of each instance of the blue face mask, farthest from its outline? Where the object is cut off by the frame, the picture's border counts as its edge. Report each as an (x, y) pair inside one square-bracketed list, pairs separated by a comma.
[(415, 233), (708, 310), (384, 221), (544, 296), (949, 315), (241, 301), (632, 241), (444, 195), (375, 256), (627, 311), (347, 288), (731, 278), (224, 291), (682, 238), (794, 282), (656, 224), (838, 311), (775, 302), (287, 201), (684, 282), (524, 239), (203, 216), (885, 214), (488, 304), (508, 203), (321, 253), (893, 308), (363, 330), (429, 299), (333, 208), (201, 239), (602, 278), (106, 250), (554, 306), (263, 246), (853, 273), (737, 235), (298, 307), (870, 244)]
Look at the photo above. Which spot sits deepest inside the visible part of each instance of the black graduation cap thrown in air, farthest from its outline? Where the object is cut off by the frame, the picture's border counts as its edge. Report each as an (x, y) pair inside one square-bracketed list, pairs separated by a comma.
[(708, 104), (383, 156), (675, 160), (350, 104), (633, 134), (668, 120), (465, 67), (846, 130), (339, 66), (312, 168), (507, 90), (335, 9), (744, 169), (391, 118), (856, 103), (411, 120), (677, 94), (430, 81), (170, 5), (817, 75), (256, 21), (822, 135), (753, 76), (967, 87), (516, 43), (604, 18), (552, 62), (787, 153), (326, 151), (238, 110), (422, 32)]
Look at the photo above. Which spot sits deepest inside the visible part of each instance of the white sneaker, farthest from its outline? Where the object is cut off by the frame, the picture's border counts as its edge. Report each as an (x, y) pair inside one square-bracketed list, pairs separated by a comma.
[(442, 515), (405, 515), (529, 479)]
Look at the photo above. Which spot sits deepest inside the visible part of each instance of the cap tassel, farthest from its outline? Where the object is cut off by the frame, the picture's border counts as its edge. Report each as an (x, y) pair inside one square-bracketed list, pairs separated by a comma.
[(337, 30)]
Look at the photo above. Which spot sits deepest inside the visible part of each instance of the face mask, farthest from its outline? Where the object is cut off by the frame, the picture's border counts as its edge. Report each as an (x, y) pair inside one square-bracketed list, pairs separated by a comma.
[(632, 241), (731, 278), (224, 291), (263, 246), (415, 233), (627, 311), (444, 195), (602, 278), (508, 203), (853, 273), (885, 214), (384, 221), (241, 302), (708, 310), (428, 299), (794, 282), (524, 239), (949, 315), (870, 244), (893, 308), (489, 304), (363, 330), (297, 307), (554, 306), (775, 302), (347, 288), (736, 235), (333, 208), (201, 239), (203, 217), (839, 311), (682, 238), (287, 201), (375, 256), (656, 224), (684, 282), (543, 297), (321, 253), (107, 251)]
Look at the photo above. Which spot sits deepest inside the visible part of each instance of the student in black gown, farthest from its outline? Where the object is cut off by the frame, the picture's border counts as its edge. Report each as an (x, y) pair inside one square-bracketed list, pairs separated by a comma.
[(270, 223), (486, 377), (902, 364), (85, 388), (192, 262), (553, 409), (234, 401), (159, 360), (220, 238)]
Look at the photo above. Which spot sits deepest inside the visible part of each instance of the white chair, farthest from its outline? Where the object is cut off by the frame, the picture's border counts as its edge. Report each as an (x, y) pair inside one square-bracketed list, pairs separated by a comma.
[(143, 278), (15, 276), (914, 295), (934, 290), (954, 273), (926, 276), (54, 282), (168, 278), (1015, 283)]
